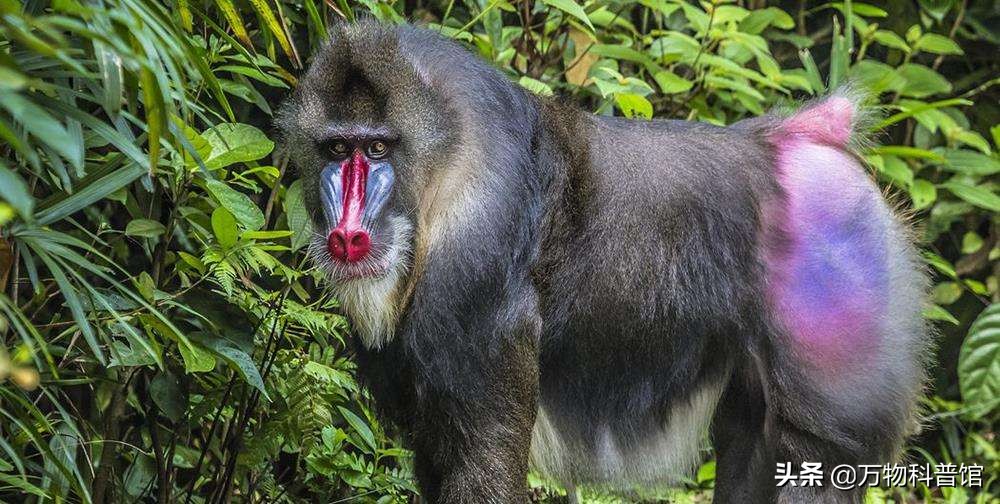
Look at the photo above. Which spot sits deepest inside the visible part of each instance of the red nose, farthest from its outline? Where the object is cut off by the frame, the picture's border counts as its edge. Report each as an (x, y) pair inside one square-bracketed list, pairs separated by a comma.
[(349, 246)]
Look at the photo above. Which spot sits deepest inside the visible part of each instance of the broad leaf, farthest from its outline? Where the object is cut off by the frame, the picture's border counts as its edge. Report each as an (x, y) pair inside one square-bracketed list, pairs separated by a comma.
[(979, 363), (144, 228), (235, 143), (240, 205), (572, 8), (977, 195), (224, 227), (298, 217)]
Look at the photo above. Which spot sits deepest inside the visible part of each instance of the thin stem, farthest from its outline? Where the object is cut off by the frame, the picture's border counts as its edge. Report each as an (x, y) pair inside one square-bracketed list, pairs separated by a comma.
[(951, 33)]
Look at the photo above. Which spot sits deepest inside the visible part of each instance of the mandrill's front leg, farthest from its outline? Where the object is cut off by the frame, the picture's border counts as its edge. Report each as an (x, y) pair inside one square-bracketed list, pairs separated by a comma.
[(475, 400)]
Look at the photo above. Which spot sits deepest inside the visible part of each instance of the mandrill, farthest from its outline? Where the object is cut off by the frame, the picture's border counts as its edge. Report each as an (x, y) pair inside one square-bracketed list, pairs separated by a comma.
[(593, 297)]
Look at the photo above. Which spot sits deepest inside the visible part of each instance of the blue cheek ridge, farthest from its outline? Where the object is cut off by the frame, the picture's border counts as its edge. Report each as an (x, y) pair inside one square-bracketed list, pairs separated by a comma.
[(331, 193), (377, 190)]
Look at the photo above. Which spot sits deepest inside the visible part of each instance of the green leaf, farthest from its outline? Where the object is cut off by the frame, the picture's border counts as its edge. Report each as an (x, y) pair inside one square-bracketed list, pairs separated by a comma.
[(909, 111), (145, 228), (908, 152), (359, 426), (235, 21), (95, 187), (759, 19), (140, 475), (128, 356), (969, 162), (890, 39), (239, 204), (941, 264), (979, 363), (193, 261), (898, 171), (254, 73), (671, 83), (42, 125), (168, 395), (937, 44), (840, 57), (811, 70), (144, 285), (21, 483), (861, 9), (572, 8), (633, 105), (71, 295), (921, 81), (15, 192), (265, 235), (274, 26), (976, 286), (977, 195), (535, 86), (155, 118), (923, 194), (196, 360), (63, 452), (971, 242), (972, 139), (236, 358), (946, 293), (235, 143), (621, 52), (356, 479), (935, 312), (735, 85), (224, 227), (297, 215), (937, 8)]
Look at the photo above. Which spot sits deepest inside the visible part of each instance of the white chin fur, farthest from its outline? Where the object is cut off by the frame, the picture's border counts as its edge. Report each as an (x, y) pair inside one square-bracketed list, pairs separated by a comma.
[(371, 301)]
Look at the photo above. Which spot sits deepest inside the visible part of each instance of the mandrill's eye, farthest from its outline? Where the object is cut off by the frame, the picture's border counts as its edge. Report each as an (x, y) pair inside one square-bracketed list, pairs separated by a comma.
[(377, 149), (339, 148)]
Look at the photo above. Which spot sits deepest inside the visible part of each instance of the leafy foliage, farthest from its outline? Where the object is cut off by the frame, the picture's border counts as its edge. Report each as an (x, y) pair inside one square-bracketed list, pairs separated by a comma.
[(162, 336)]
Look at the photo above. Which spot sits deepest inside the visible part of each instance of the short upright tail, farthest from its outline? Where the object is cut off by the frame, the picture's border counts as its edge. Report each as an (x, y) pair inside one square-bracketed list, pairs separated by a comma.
[(838, 120)]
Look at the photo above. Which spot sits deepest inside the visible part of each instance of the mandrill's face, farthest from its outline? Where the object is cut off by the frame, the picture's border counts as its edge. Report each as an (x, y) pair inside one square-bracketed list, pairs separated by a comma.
[(367, 137), (363, 233)]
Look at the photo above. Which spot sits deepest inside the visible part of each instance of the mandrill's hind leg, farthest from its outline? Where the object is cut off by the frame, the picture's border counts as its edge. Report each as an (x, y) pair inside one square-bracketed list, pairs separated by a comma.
[(744, 469), (794, 419), (836, 378)]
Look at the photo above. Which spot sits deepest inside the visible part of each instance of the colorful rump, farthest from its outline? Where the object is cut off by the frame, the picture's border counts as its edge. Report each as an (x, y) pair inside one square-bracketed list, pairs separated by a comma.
[(840, 271)]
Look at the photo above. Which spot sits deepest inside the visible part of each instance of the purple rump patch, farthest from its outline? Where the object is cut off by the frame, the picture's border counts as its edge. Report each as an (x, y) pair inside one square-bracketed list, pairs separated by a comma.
[(825, 250)]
